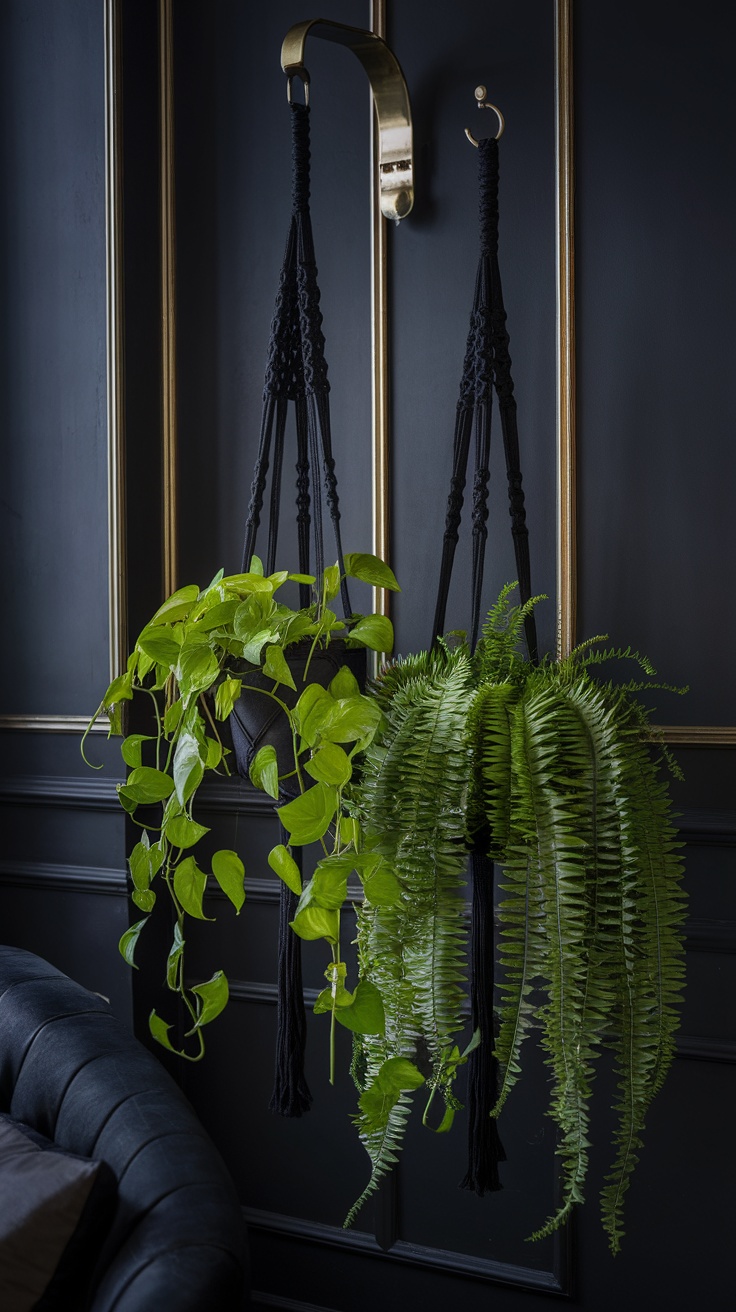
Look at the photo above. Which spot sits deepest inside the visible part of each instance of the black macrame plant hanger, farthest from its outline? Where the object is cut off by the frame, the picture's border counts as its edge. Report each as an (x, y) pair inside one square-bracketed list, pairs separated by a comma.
[(486, 368), (296, 372)]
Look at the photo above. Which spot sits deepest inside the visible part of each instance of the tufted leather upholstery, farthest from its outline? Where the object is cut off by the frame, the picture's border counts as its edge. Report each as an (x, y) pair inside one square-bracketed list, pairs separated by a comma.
[(70, 1069)]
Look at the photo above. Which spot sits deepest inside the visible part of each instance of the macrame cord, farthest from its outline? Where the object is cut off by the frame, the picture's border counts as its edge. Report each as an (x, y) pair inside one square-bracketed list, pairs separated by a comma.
[(486, 368), (296, 371)]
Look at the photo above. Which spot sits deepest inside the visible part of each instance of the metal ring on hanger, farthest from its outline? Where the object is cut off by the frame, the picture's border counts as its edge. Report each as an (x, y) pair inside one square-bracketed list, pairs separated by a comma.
[(480, 96), (303, 75)]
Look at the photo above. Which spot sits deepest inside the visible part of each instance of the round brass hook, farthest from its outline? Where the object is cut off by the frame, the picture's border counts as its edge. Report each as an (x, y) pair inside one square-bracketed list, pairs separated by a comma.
[(480, 96), (303, 75)]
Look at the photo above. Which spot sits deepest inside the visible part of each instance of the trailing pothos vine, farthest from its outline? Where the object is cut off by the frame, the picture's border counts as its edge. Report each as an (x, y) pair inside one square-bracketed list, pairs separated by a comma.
[(200, 652)]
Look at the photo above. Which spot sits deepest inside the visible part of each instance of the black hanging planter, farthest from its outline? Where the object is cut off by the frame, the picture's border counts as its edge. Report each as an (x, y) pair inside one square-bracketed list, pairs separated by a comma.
[(296, 372), (486, 369)]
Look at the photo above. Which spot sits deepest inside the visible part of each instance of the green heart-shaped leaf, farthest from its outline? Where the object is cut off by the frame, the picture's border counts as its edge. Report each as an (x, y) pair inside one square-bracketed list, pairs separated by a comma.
[(229, 872), (308, 817), (283, 863), (183, 832), (370, 569), (189, 886), (330, 764), (374, 631), (214, 994)]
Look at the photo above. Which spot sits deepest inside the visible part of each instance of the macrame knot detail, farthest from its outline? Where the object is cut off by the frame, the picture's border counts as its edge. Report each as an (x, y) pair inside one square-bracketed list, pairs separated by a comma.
[(300, 157), (488, 189)]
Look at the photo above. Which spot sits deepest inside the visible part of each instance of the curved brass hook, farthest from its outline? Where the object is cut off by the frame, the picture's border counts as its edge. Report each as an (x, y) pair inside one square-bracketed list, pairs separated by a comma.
[(391, 98), (480, 96)]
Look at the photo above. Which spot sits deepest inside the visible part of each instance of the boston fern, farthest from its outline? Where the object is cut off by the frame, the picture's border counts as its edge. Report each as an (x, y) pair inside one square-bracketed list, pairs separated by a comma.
[(558, 767)]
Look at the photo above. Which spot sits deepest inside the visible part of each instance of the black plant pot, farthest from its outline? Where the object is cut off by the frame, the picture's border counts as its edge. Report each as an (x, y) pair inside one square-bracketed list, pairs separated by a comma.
[(256, 721)]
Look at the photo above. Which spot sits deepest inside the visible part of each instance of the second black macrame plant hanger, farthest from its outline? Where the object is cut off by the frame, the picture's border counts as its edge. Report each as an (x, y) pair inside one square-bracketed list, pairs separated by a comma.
[(296, 372), (486, 369)]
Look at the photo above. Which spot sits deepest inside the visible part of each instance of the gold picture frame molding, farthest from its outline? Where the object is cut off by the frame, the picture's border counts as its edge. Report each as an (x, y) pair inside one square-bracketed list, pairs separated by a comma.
[(566, 531)]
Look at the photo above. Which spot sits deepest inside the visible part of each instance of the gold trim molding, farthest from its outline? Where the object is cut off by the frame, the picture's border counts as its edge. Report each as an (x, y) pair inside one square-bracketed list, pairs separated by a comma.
[(704, 735), (115, 340), (381, 448), (565, 240), (168, 298)]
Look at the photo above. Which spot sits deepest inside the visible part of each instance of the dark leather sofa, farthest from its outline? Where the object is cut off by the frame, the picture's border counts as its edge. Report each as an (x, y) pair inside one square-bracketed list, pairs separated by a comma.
[(76, 1074)]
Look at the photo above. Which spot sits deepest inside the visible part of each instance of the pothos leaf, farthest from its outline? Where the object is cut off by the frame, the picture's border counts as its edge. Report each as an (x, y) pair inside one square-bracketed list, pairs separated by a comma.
[(121, 689), (344, 684), (366, 1015), (146, 785), (229, 872), (129, 939), (316, 922), (280, 860), (160, 646), (330, 764), (276, 667), (370, 569), (226, 696), (174, 957), (131, 748), (374, 631), (189, 886), (183, 832), (264, 770), (308, 817), (331, 582), (177, 606), (173, 716), (144, 899), (188, 767), (160, 1031), (213, 995)]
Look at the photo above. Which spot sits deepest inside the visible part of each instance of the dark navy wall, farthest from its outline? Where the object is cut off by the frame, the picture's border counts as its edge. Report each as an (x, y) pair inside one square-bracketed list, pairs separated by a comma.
[(656, 195), (655, 200), (53, 357), (62, 864)]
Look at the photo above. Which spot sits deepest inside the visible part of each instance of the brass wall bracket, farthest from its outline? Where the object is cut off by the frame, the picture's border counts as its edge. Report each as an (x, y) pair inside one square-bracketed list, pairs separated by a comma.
[(390, 96)]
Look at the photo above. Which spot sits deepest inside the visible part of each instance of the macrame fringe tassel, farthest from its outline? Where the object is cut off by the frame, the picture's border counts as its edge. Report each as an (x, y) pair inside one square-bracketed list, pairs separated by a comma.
[(485, 1149), (291, 1096)]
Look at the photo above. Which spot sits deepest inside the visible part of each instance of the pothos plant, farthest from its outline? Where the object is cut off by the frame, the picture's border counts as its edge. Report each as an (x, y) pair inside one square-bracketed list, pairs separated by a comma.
[(201, 650), (557, 766)]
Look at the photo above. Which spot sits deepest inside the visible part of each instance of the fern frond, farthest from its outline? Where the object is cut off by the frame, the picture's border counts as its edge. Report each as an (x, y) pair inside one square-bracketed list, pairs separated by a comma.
[(584, 655), (383, 1147), (590, 822), (557, 759), (497, 657), (411, 802), (489, 733), (652, 963)]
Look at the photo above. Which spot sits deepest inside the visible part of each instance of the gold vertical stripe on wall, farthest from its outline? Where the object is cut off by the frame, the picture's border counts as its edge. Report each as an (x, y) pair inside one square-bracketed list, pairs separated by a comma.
[(168, 299), (565, 200), (379, 349), (117, 600)]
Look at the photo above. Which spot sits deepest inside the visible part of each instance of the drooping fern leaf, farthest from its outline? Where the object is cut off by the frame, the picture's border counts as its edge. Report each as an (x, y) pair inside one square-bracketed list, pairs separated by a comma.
[(594, 909), (651, 962), (412, 798)]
